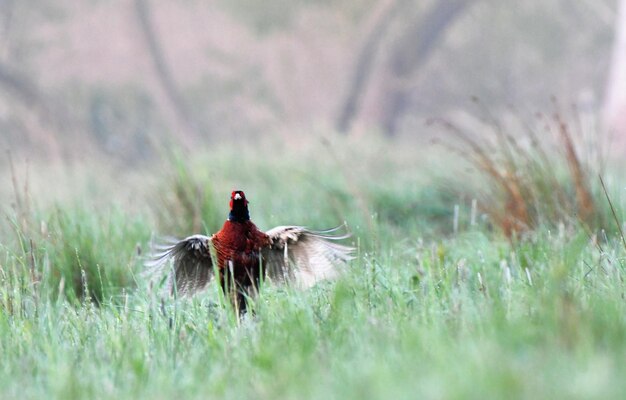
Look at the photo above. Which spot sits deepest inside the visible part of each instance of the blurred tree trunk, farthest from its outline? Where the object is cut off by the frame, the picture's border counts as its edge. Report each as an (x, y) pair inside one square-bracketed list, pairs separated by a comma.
[(365, 63), (163, 73), (615, 103), (20, 87), (411, 52), (37, 119), (28, 100)]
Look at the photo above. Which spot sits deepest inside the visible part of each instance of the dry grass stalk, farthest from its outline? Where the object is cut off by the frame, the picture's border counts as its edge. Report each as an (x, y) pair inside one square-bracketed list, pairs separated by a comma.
[(583, 195), (525, 189)]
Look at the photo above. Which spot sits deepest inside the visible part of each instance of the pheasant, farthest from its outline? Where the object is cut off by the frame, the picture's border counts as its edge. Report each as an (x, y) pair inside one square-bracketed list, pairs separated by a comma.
[(245, 255)]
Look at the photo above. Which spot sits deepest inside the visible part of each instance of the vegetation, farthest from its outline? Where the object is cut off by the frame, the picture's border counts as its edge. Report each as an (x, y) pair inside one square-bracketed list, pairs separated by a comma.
[(439, 303), (537, 173)]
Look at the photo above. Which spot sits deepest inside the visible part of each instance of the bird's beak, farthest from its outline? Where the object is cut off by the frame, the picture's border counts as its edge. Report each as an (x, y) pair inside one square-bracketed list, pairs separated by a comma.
[(237, 196)]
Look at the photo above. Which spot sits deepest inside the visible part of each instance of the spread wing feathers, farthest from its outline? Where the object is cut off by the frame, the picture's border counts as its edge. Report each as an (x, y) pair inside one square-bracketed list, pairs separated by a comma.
[(192, 267), (306, 256)]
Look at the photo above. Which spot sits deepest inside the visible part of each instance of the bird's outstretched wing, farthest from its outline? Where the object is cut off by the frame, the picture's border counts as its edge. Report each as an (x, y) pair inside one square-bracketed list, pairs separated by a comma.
[(296, 253), (192, 266)]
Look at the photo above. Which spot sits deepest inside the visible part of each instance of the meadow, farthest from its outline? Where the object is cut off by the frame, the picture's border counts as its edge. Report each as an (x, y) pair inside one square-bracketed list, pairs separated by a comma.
[(443, 300)]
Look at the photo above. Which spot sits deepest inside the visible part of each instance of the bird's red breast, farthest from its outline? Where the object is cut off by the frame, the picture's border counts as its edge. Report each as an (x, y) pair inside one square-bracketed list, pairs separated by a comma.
[(239, 242)]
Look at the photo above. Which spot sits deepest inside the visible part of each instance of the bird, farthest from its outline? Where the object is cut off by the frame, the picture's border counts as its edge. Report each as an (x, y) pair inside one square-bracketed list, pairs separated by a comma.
[(245, 255)]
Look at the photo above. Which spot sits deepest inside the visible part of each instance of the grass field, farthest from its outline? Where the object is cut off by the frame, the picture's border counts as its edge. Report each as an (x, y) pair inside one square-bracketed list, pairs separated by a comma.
[(438, 303)]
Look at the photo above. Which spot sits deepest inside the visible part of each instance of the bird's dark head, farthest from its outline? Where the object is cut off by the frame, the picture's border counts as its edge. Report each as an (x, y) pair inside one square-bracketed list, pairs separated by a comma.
[(238, 207)]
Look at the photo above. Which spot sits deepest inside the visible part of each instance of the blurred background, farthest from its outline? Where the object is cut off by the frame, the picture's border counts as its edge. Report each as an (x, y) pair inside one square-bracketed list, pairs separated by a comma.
[(123, 78), (390, 111), (473, 148)]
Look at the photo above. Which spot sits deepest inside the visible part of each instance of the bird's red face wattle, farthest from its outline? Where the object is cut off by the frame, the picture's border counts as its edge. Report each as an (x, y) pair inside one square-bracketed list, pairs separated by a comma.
[(238, 207), (237, 197)]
